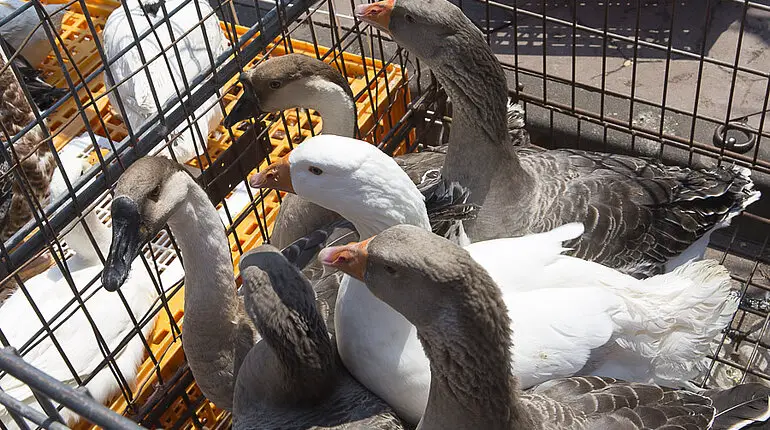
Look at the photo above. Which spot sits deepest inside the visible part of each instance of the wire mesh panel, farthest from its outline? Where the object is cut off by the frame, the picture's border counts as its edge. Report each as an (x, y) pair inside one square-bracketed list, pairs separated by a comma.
[(682, 80), (119, 100), (685, 81)]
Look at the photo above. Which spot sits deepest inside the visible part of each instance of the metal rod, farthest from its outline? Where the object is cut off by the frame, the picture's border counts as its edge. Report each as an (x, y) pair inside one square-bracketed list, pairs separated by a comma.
[(78, 402)]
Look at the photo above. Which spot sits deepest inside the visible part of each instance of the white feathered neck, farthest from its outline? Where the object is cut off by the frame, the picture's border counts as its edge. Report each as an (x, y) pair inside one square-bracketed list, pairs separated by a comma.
[(359, 182)]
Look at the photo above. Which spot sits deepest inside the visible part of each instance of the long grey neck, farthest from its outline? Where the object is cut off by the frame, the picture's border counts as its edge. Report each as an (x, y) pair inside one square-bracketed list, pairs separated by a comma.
[(211, 310), (472, 385), (480, 154)]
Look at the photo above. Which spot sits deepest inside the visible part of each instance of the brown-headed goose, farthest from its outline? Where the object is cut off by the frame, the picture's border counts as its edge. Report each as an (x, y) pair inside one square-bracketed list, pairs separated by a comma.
[(577, 316), (293, 378), (295, 80), (217, 333), (463, 324), (641, 216)]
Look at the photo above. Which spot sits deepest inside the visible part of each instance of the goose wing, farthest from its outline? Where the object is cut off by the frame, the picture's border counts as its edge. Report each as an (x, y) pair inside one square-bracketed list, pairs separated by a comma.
[(596, 402), (639, 214)]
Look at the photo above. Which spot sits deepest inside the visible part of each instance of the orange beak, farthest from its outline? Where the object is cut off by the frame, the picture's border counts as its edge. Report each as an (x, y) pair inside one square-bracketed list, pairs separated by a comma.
[(376, 14), (350, 258), (276, 175)]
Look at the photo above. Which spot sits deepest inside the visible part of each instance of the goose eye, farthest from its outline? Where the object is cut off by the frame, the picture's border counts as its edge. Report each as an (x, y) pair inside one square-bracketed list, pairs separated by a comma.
[(390, 270), (409, 18), (315, 170), (154, 194), (275, 84)]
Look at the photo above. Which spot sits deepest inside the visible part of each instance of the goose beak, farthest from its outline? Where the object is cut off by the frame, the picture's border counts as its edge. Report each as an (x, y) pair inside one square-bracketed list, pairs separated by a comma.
[(350, 258), (376, 14), (246, 107), (276, 175), (126, 242)]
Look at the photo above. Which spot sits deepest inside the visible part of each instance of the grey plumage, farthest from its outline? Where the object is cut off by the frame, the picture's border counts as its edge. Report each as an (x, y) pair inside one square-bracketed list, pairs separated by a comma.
[(638, 213), (293, 378), (463, 324), (326, 282), (744, 405)]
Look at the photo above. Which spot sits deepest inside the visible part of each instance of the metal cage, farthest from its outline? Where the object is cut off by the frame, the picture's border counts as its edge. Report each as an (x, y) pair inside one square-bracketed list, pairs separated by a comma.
[(682, 80)]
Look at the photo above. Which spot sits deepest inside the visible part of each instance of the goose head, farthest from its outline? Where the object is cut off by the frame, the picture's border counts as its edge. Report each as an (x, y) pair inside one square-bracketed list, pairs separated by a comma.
[(419, 274), (426, 28), (146, 195), (350, 177), (292, 81)]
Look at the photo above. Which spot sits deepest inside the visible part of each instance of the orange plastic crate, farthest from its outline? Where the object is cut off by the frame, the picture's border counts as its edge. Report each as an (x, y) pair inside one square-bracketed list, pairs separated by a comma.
[(67, 123)]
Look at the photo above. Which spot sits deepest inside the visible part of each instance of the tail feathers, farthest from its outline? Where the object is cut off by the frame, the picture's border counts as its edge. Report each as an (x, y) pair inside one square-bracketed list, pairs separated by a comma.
[(303, 250), (515, 122), (672, 318), (743, 187), (446, 203), (746, 406)]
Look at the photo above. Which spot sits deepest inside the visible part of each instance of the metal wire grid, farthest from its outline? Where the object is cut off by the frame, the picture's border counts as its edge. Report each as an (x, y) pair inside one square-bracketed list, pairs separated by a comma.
[(589, 123), (88, 193), (46, 389), (657, 78)]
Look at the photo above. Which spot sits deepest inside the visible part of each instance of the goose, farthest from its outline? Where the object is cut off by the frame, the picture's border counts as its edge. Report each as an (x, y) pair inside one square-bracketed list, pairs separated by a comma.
[(52, 293), (655, 330), (217, 333), (32, 153), (292, 378), (186, 59), (641, 216), (296, 80), (16, 31), (464, 322)]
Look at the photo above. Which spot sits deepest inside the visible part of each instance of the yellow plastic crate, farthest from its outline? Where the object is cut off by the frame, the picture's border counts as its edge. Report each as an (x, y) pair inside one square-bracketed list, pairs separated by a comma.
[(67, 123)]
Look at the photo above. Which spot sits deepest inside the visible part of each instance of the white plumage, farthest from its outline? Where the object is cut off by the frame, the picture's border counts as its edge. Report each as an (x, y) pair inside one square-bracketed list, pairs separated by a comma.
[(51, 293), (572, 316), (194, 55)]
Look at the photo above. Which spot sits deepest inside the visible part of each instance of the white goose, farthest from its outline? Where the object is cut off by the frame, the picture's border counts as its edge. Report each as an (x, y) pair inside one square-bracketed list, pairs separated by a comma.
[(51, 293), (464, 324), (193, 58), (577, 317)]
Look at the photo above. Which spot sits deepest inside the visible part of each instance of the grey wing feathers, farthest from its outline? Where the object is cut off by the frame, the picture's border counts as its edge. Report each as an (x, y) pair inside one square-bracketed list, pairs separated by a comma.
[(744, 406), (603, 403), (415, 164), (303, 250), (445, 202), (638, 213)]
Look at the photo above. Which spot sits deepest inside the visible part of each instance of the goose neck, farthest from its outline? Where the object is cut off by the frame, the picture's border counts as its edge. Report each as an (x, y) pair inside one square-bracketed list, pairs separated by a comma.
[(209, 280), (335, 105), (471, 376)]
